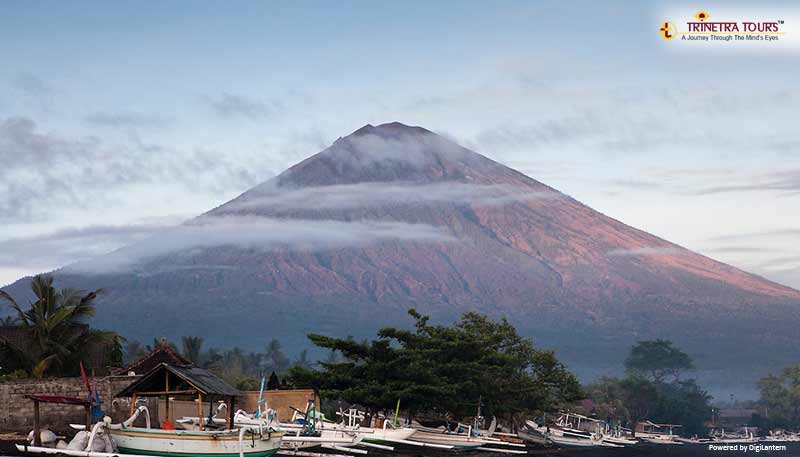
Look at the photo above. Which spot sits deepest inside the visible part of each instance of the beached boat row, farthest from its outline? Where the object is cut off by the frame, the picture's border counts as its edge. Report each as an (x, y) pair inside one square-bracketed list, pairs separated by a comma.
[(233, 432), (230, 432)]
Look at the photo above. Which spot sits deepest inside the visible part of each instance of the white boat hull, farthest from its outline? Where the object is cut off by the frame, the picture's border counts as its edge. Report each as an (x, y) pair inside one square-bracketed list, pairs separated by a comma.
[(184, 443)]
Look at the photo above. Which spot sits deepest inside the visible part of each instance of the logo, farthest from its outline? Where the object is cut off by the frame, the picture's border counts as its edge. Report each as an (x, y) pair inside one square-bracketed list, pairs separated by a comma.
[(699, 28), (668, 30)]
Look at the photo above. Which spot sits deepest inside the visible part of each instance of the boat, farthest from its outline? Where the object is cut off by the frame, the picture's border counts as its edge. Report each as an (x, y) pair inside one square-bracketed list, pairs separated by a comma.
[(446, 438), (657, 433), (780, 435), (567, 431), (210, 438), (746, 436)]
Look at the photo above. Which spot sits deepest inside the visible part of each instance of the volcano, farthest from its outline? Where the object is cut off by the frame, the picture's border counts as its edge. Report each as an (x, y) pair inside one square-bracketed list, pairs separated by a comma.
[(393, 217)]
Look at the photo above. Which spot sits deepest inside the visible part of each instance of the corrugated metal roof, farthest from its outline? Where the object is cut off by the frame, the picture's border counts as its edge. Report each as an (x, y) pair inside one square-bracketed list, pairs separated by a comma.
[(188, 378)]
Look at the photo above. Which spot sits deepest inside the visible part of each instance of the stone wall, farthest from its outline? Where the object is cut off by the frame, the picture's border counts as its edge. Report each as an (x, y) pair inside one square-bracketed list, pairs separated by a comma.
[(16, 411)]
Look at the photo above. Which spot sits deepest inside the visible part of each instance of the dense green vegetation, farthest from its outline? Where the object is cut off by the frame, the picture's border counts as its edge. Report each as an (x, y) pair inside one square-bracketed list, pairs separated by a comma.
[(52, 337), (779, 402), (238, 367), (644, 393), (443, 369)]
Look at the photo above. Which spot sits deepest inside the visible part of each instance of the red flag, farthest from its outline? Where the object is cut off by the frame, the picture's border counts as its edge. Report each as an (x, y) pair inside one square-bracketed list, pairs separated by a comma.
[(86, 379)]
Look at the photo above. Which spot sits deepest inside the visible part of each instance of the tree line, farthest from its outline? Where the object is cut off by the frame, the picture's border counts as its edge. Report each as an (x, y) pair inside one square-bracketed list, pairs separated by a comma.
[(243, 369)]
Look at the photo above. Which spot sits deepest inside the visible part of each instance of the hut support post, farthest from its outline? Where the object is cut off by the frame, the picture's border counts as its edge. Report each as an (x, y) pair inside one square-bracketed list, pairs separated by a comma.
[(200, 409), (166, 389), (88, 417), (229, 419), (133, 403), (37, 426), (231, 413)]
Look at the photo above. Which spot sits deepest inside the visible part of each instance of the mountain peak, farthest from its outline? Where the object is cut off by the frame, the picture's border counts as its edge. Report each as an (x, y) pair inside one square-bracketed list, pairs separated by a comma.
[(390, 129), (392, 152)]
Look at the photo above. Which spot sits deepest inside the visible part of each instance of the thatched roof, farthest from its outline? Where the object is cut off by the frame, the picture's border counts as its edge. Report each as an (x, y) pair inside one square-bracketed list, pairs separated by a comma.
[(180, 382)]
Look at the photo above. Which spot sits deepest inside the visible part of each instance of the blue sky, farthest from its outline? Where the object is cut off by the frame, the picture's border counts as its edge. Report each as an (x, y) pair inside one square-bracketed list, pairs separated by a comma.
[(121, 118)]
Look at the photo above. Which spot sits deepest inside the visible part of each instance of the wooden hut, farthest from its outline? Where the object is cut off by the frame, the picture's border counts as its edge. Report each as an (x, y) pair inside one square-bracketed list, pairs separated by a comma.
[(183, 383)]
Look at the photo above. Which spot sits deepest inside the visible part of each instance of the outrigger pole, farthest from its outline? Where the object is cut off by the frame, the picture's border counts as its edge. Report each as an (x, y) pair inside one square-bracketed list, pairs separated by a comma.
[(260, 397)]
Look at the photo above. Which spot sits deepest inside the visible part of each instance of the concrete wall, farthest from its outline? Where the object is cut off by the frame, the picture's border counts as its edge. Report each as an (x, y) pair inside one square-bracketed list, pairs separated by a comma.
[(16, 411), (279, 400)]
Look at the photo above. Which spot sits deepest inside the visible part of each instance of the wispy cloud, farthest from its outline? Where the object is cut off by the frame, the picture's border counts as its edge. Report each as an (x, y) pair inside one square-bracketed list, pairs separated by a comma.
[(42, 171), (128, 119), (232, 105), (646, 251), (775, 233), (739, 250), (782, 181), (38, 92), (250, 232), (70, 245), (366, 195)]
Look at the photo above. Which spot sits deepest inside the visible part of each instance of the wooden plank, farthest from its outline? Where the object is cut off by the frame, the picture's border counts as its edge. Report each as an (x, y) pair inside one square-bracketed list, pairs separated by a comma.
[(37, 426), (166, 392), (200, 410)]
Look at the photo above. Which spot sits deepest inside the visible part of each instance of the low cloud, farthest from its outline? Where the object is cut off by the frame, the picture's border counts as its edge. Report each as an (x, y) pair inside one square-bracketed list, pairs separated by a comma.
[(70, 245), (233, 106), (250, 232), (365, 195)]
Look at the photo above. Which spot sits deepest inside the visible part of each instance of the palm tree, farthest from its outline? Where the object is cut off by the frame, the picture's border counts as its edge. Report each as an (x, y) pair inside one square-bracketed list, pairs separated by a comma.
[(278, 361), (134, 350), (302, 361), (193, 348), (57, 326)]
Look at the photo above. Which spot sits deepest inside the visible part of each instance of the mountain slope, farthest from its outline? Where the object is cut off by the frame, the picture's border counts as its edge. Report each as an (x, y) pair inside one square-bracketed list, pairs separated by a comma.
[(394, 216)]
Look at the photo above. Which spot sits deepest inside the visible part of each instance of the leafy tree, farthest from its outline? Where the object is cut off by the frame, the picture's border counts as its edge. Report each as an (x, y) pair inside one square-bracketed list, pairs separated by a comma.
[(332, 357), (608, 395), (192, 348), (643, 394), (780, 397), (639, 395), (57, 323), (656, 359), (443, 369), (685, 403)]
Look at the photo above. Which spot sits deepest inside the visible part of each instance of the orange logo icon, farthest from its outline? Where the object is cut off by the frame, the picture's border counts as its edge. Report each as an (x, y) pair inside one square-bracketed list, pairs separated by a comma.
[(667, 30), (701, 15)]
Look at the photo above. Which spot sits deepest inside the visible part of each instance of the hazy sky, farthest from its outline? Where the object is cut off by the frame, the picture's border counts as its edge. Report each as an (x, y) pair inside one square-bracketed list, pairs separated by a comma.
[(118, 119)]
